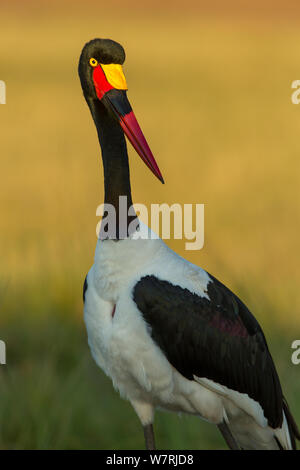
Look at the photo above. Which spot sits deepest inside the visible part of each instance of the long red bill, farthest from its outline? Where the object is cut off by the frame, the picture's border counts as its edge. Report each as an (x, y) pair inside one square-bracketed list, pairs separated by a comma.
[(134, 133), (117, 101), (119, 104)]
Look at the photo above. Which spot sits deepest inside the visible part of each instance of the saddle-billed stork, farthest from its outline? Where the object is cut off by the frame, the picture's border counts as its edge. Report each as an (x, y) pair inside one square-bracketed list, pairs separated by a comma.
[(166, 332)]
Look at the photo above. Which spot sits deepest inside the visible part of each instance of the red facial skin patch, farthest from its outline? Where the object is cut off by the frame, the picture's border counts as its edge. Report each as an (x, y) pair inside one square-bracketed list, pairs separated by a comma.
[(101, 84)]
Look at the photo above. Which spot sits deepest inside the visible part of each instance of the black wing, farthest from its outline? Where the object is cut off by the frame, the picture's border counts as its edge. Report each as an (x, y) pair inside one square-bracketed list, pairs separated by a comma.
[(218, 339)]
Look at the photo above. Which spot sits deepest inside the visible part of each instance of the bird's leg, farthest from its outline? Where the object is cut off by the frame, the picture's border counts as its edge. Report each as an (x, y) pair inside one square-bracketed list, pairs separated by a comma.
[(226, 433), (145, 412), (149, 437)]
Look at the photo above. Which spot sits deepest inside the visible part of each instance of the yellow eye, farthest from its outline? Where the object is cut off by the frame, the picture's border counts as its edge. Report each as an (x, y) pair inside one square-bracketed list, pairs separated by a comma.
[(93, 62)]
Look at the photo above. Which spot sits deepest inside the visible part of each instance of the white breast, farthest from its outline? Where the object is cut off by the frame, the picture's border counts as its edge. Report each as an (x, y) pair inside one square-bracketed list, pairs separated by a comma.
[(121, 344)]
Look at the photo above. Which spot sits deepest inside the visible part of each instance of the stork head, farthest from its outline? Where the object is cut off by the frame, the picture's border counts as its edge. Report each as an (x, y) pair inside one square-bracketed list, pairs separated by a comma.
[(103, 81)]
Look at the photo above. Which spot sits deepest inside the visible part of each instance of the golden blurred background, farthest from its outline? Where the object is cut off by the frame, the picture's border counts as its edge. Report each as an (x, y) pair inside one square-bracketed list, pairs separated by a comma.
[(210, 83)]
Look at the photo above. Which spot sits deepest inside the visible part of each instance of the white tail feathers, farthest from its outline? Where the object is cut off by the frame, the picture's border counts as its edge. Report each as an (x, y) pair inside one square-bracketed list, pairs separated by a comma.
[(283, 435)]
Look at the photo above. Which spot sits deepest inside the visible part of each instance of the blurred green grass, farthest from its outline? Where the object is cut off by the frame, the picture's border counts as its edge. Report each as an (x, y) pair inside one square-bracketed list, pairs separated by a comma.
[(213, 98), (53, 396)]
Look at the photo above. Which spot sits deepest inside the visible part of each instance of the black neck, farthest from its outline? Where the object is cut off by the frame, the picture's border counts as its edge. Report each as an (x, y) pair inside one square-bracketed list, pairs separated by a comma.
[(115, 161)]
